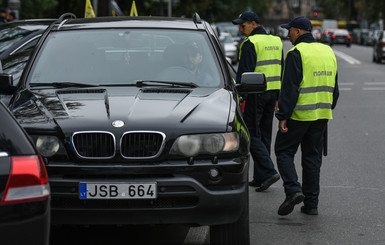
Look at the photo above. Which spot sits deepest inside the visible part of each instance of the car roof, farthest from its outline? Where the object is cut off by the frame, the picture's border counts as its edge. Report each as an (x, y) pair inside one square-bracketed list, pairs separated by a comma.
[(33, 24), (130, 22)]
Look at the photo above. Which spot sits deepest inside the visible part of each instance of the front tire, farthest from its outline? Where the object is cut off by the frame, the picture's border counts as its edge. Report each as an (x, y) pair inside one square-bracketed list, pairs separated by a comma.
[(236, 233)]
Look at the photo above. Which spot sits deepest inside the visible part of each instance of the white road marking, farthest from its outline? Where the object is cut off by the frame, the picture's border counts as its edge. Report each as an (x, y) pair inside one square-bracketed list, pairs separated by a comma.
[(374, 88), (346, 57), (375, 83)]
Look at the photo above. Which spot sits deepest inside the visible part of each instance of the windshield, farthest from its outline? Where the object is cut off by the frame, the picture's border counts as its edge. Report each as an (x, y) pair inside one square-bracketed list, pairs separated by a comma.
[(113, 57)]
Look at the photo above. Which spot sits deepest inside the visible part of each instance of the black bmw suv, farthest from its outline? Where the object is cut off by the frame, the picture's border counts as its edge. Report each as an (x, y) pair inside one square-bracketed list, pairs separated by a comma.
[(140, 123)]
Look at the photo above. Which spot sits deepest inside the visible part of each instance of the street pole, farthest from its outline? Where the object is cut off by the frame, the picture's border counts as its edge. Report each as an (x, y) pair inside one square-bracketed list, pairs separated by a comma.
[(95, 7), (169, 8)]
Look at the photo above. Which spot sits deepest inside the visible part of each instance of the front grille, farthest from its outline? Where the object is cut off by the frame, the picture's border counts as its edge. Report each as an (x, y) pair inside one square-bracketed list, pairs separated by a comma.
[(94, 144), (142, 144)]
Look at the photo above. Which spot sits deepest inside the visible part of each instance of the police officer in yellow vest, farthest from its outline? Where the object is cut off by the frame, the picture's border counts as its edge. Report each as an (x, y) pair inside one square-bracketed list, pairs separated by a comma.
[(309, 92), (260, 52)]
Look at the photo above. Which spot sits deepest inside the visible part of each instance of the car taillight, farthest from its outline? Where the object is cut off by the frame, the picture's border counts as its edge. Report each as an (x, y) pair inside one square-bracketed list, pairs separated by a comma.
[(383, 44), (349, 37), (28, 180), (333, 36)]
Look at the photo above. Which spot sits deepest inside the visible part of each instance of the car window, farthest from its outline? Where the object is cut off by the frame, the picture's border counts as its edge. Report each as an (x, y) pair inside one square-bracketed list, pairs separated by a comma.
[(342, 32), (125, 56)]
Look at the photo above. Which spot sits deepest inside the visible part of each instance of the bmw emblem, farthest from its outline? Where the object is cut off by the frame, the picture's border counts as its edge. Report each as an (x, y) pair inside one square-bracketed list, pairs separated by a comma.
[(118, 124)]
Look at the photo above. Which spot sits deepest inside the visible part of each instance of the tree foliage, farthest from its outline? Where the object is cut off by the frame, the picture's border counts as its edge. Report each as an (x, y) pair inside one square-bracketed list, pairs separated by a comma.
[(370, 10)]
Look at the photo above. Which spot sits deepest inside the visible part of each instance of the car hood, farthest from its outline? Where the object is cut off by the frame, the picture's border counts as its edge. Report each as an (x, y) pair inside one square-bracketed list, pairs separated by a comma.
[(95, 109)]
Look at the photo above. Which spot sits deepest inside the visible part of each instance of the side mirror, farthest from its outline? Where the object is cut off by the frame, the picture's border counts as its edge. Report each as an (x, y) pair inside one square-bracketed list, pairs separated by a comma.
[(252, 82), (6, 82)]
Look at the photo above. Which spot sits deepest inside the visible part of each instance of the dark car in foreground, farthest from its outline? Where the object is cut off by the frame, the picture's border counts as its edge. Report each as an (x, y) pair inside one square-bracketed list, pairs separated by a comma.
[(24, 187), (340, 36), (21, 35), (140, 121), (379, 48)]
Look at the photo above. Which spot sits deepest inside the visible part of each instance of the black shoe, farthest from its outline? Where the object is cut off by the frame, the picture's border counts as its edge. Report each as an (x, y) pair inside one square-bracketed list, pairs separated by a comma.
[(309, 211), (254, 184), (288, 205), (267, 183)]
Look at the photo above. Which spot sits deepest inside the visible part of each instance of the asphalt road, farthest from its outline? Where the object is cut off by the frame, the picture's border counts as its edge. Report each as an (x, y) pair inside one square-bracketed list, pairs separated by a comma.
[(352, 199)]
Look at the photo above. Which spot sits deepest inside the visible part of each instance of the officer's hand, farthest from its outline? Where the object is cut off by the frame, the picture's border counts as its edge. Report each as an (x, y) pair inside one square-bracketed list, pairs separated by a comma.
[(282, 126)]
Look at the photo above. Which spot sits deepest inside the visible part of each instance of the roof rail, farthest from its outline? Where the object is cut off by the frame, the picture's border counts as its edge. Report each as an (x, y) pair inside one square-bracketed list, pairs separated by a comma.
[(197, 19), (66, 16)]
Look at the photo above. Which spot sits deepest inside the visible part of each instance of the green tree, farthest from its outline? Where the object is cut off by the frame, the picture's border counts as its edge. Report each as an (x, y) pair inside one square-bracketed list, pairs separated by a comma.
[(30, 9)]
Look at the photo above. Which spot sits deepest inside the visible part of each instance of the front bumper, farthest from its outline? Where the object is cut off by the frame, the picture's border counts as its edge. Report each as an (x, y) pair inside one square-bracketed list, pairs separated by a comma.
[(186, 194)]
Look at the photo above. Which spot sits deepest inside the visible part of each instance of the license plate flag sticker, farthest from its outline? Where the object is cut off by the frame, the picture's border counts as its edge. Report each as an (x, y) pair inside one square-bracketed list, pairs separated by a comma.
[(83, 191), (117, 190)]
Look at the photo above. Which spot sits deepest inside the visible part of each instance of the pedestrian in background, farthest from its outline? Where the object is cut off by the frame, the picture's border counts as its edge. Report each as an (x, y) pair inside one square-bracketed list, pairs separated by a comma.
[(260, 52), (3, 16), (11, 16), (309, 92)]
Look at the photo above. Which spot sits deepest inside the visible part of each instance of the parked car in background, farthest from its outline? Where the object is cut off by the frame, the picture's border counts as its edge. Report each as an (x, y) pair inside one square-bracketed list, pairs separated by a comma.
[(282, 32), (229, 46), (340, 36), (133, 133), (372, 37), (229, 27), (379, 48), (21, 35), (326, 35), (24, 187), (364, 33), (316, 34)]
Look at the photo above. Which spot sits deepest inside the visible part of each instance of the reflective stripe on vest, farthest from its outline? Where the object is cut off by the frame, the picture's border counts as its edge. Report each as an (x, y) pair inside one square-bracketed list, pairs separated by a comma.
[(319, 67), (269, 54)]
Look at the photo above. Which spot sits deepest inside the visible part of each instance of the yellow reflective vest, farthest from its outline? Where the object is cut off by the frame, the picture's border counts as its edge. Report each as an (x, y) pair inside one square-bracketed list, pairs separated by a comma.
[(316, 89), (269, 58)]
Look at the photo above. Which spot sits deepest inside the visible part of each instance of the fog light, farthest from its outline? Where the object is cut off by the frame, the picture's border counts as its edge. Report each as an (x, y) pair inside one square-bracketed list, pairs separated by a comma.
[(214, 173)]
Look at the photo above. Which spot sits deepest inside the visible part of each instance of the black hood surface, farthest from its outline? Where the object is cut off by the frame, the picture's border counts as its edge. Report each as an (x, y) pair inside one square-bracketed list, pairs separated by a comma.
[(153, 108)]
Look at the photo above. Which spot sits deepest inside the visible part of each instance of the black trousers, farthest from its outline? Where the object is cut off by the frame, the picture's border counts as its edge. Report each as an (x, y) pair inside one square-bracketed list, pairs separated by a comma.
[(259, 113), (309, 135)]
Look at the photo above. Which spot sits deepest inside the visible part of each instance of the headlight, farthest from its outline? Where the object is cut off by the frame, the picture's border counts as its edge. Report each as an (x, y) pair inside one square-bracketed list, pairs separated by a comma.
[(192, 145), (189, 145), (213, 143), (47, 145)]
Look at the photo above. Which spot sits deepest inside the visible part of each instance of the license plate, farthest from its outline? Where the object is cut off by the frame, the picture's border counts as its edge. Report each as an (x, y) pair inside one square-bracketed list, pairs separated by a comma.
[(117, 190)]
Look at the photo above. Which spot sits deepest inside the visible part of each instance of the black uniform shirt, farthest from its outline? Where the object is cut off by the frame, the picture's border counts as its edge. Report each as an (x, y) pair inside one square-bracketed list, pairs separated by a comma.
[(292, 77)]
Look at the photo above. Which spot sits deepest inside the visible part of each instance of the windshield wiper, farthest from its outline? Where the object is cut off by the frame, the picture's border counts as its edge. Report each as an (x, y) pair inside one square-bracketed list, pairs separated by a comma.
[(63, 84), (118, 84), (173, 84)]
